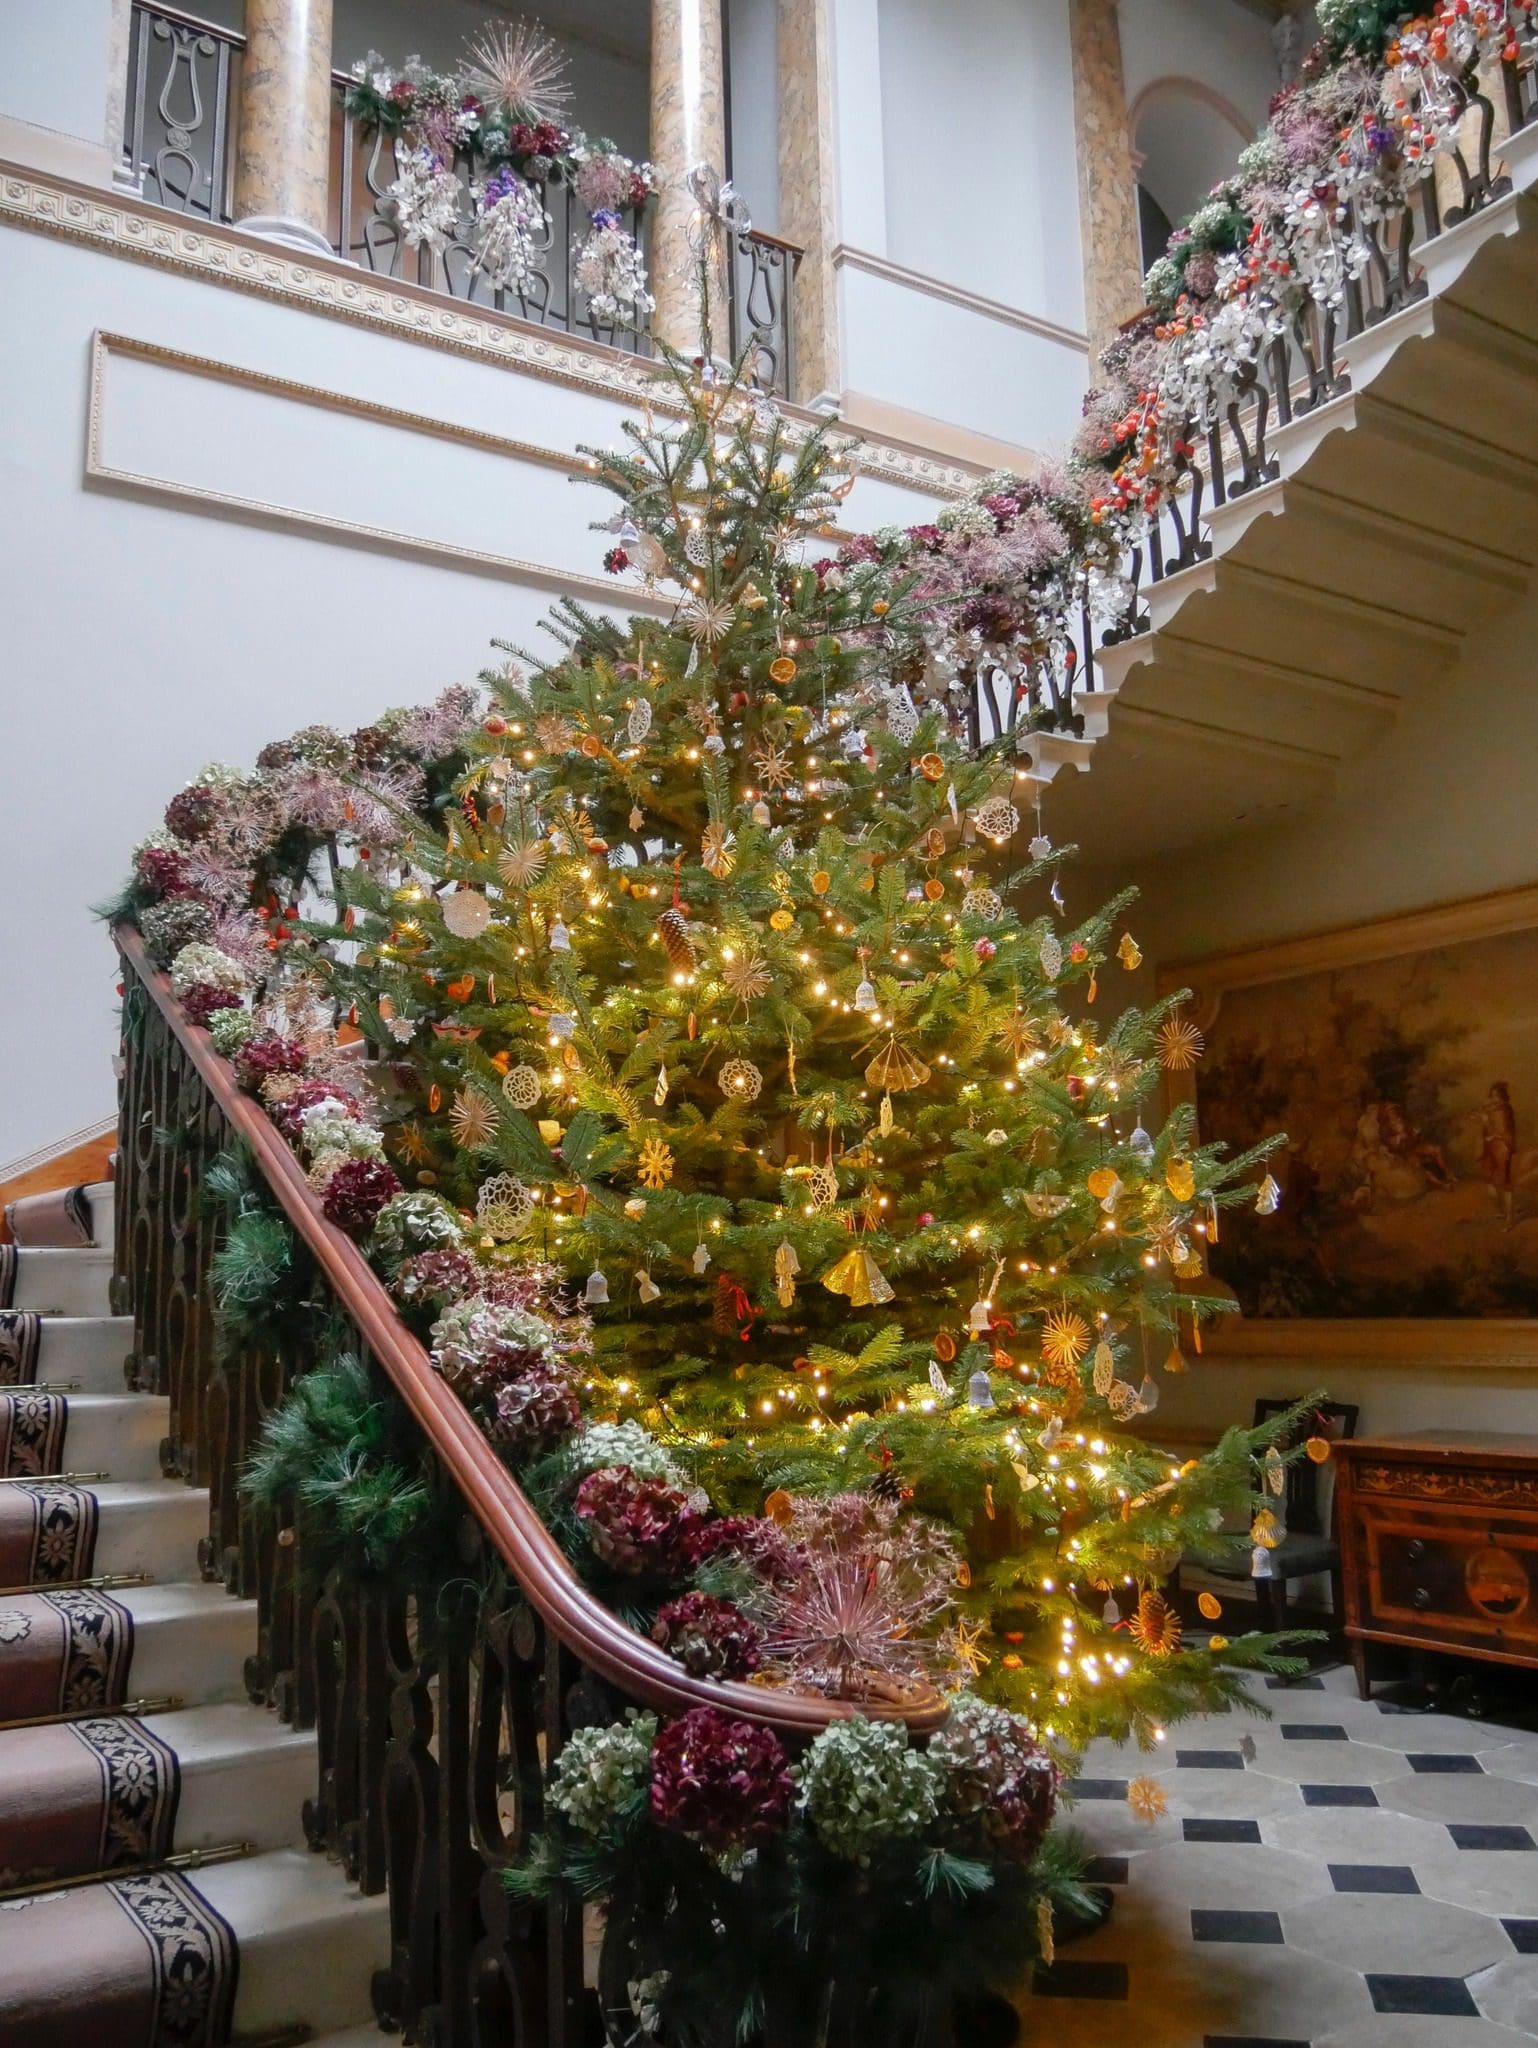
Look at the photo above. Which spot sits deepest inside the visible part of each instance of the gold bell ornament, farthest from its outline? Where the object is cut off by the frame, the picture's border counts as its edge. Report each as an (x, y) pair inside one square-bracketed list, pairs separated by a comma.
[(857, 1275)]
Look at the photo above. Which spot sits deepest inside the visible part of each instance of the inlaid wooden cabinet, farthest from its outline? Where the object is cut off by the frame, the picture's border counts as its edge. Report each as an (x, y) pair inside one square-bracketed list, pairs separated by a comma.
[(1439, 1542)]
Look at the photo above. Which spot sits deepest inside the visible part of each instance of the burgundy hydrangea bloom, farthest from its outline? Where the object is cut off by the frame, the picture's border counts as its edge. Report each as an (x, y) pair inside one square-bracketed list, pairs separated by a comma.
[(534, 1413), (163, 869), (637, 1526), (753, 1538), (538, 138), (288, 1115), (356, 1193), (1000, 1787), (191, 813), (927, 538), (203, 999), (862, 548), (726, 1783), (437, 1277), (710, 1638), (267, 1054), (501, 1364)]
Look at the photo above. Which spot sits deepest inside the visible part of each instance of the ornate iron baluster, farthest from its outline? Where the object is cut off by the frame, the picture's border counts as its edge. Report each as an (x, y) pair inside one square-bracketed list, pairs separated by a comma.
[(180, 97), (763, 269)]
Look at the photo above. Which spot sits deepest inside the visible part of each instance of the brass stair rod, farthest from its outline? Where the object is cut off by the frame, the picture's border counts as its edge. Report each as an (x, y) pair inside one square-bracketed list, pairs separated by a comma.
[(134, 1709), (189, 1859)]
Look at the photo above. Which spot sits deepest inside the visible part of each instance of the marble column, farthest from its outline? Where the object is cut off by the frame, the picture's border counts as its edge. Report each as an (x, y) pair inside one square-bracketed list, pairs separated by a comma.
[(806, 187), (283, 156), (1108, 223), (688, 127)]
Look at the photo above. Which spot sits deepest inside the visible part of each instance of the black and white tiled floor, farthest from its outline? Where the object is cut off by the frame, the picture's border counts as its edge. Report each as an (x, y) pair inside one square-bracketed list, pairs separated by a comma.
[(1341, 1876)]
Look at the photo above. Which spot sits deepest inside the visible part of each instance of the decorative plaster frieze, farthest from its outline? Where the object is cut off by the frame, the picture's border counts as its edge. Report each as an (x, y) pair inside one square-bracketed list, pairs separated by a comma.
[(134, 228)]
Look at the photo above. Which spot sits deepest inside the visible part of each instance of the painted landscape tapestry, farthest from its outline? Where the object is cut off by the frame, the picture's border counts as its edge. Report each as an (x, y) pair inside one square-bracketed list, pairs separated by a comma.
[(1408, 1089)]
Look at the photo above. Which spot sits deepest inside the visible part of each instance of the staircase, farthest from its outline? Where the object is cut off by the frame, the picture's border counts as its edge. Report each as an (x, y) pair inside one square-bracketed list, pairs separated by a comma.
[(1379, 528), (155, 1887)]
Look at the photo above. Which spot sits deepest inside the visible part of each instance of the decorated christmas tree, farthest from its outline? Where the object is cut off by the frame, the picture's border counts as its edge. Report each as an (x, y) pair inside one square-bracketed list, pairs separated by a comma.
[(731, 984)]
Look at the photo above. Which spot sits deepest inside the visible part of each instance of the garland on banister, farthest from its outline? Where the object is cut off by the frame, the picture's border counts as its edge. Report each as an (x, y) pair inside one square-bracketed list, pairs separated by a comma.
[(1384, 97), (474, 149)]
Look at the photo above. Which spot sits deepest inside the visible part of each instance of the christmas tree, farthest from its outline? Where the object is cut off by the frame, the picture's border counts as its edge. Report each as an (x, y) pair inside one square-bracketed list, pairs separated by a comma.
[(738, 989)]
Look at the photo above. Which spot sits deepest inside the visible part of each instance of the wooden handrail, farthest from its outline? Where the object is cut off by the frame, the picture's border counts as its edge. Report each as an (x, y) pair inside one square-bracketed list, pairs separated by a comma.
[(636, 1666)]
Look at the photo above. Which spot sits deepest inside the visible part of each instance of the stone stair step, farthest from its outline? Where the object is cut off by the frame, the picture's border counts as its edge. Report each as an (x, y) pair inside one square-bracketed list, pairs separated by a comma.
[(63, 1283), (151, 1526), (190, 1642), (309, 1943), (89, 1350), (118, 1434), (245, 1775)]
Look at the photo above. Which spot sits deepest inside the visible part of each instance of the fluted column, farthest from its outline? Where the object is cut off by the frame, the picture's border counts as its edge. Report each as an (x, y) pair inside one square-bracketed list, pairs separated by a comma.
[(805, 87), (283, 160), (1108, 224), (688, 127)]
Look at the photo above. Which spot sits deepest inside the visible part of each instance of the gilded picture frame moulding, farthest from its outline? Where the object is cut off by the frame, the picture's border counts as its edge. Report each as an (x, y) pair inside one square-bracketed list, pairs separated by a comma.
[(1501, 1346)]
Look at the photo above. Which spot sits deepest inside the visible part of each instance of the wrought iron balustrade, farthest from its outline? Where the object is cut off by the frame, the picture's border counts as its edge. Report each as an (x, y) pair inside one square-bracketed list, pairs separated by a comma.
[(180, 139), (1303, 368), (183, 92), (433, 1740)]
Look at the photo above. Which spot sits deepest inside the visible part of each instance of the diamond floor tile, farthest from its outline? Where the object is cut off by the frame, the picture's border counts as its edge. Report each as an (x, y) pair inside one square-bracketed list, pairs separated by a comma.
[(1253, 1845)]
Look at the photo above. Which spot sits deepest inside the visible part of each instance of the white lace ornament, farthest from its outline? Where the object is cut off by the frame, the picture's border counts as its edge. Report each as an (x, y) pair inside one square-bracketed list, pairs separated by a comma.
[(520, 1087), (502, 1205)]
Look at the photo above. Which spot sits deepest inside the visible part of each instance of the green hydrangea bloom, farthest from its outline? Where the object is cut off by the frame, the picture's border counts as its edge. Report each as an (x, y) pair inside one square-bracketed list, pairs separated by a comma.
[(863, 1788), (602, 1771)]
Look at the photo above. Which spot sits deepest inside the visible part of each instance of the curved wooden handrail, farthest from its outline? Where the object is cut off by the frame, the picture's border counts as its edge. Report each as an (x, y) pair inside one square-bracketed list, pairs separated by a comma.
[(637, 1667)]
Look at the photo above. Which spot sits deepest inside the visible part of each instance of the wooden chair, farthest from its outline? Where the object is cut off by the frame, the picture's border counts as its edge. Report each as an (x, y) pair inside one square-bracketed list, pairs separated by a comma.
[(1308, 1545)]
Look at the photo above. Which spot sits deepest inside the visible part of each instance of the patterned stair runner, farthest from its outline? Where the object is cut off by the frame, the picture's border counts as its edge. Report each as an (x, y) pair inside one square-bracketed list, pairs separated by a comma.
[(47, 1534), (20, 1334), (137, 1959), (86, 1795), (32, 1426)]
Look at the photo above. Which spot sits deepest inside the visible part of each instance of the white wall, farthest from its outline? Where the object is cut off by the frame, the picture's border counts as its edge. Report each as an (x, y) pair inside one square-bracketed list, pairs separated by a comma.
[(143, 639), (1223, 44), (53, 64), (957, 215), (1187, 143), (981, 184)]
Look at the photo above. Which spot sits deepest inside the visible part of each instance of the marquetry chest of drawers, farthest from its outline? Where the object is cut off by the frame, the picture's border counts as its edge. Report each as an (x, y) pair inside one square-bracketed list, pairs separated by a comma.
[(1439, 1544)]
